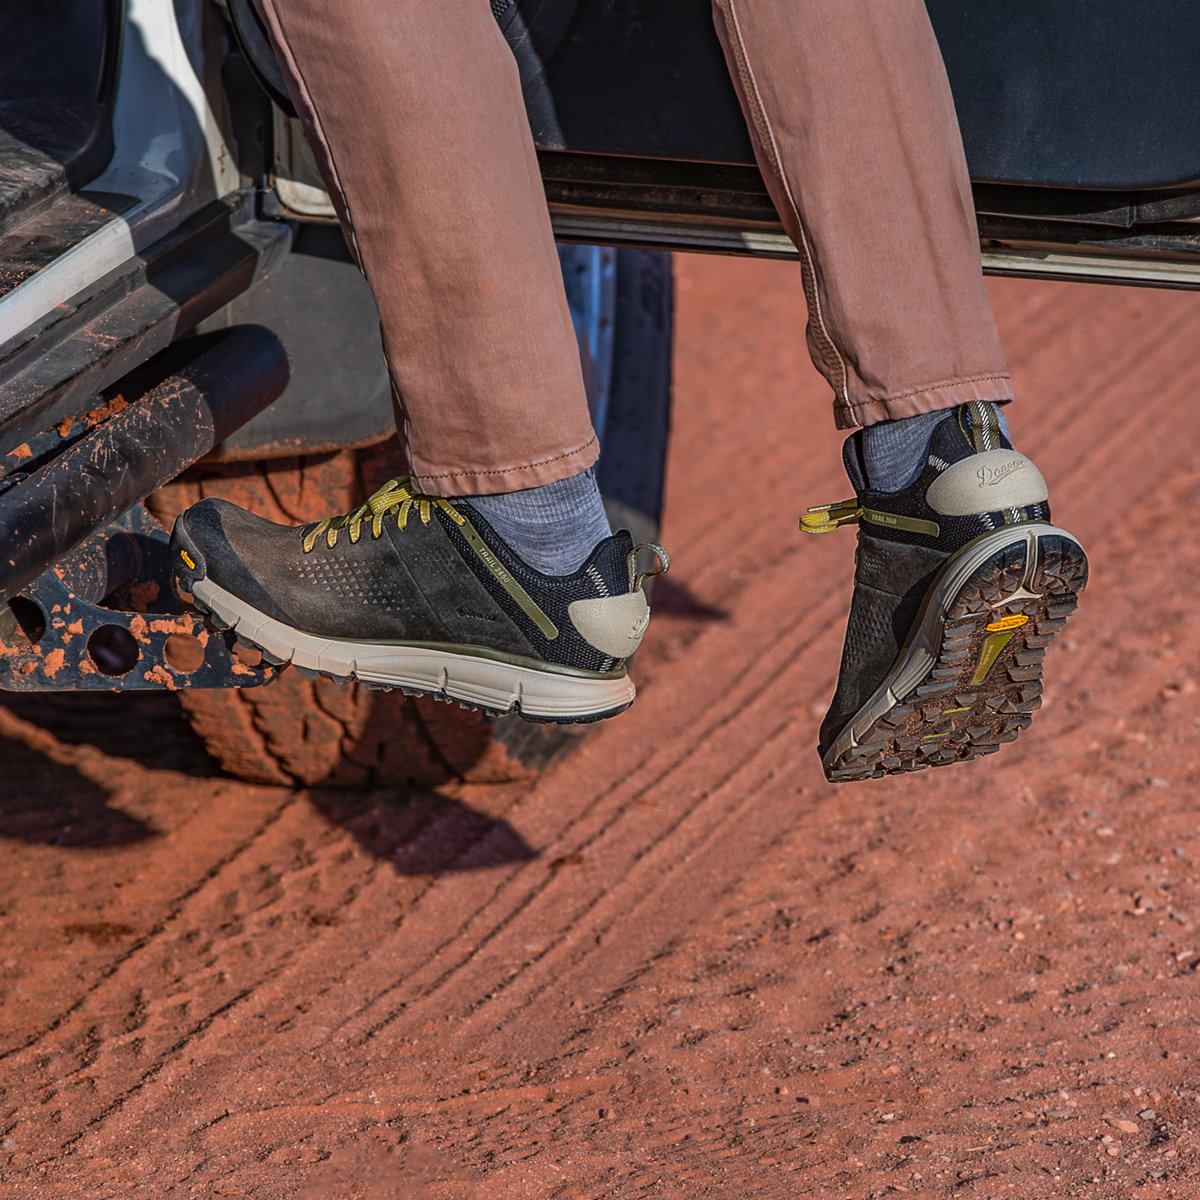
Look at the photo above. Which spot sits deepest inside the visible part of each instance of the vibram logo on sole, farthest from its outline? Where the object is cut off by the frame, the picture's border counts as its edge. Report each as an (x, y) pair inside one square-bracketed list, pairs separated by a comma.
[(187, 558), (1015, 621)]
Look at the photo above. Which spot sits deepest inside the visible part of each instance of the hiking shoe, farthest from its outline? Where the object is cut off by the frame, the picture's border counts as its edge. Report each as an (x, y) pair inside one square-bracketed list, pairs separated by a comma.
[(961, 583), (420, 593)]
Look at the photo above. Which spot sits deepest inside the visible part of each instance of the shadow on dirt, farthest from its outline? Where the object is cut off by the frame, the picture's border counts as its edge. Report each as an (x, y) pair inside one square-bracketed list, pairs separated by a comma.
[(148, 728), (676, 600), (421, 832), (416, 829), (45, 802)]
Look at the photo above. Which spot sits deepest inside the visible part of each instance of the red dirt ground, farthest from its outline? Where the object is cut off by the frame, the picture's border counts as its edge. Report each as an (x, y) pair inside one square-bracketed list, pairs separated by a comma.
[(679, 964)]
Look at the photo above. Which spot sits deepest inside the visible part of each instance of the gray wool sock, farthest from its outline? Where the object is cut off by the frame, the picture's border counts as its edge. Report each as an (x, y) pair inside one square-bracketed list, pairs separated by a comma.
[(553, 527), (894, 451)]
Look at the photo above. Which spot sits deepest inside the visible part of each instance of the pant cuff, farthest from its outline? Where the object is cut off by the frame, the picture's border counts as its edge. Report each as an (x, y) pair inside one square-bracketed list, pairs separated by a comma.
[(871, 410), (486, 481)]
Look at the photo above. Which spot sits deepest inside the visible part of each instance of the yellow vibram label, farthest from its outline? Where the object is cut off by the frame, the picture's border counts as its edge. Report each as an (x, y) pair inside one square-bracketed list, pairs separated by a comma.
[(991, 650), (1012, 622), (187, 558)]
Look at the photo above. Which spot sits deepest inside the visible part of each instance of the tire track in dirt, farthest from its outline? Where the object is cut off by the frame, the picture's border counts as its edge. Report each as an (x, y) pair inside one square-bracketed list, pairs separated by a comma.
[(250, 998), (770, 947), (1075, 470), (702, 743), (572, 841), (277, 972), (91, 762), (183, 949)]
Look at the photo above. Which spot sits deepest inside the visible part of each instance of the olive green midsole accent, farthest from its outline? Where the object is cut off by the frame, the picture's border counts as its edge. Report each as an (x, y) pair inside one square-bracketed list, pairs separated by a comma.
[(893, 521), (515, 660), (992, 648), (507, 582)]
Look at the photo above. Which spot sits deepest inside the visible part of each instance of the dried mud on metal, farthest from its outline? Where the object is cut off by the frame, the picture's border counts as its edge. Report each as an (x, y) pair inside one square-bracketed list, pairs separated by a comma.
[(677, 963)]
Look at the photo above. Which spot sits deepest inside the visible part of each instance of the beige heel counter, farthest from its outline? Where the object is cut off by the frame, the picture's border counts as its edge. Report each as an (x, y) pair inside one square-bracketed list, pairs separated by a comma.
[(614, 625), (986, 482)]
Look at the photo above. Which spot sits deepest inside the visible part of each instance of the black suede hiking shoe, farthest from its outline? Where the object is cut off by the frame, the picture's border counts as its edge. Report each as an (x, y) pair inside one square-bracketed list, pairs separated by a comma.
[(420, 593), (961, 583)]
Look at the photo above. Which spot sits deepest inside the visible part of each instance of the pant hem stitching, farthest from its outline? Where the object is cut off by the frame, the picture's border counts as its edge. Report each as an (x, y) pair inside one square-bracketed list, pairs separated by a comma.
[(541, 462), (852, 407)]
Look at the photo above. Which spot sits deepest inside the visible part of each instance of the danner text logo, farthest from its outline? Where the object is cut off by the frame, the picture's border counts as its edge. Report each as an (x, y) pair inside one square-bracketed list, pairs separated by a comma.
[(990, 476)]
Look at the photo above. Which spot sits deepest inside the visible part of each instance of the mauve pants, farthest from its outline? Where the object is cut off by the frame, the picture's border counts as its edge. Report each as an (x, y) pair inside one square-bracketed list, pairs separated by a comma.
[(414, 110)]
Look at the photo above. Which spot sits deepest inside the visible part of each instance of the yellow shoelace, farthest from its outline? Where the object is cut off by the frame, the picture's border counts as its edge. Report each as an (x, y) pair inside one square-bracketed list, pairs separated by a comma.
[(829, 517), (393, 497)]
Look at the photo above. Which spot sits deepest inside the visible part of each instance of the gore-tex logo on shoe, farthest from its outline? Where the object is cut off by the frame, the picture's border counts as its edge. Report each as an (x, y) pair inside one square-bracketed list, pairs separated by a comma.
[(990, 476), (474, 614)]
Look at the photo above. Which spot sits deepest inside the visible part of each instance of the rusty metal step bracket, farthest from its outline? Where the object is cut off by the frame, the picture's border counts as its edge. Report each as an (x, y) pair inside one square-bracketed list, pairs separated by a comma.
[(106, 619)]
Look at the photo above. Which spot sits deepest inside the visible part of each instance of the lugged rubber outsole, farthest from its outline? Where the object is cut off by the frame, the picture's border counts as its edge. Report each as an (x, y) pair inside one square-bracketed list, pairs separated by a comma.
[(970, 675), (495, 687)]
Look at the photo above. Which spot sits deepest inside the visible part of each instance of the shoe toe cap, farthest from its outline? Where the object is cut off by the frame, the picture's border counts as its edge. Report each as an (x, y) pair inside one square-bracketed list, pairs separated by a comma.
[(218, 541)]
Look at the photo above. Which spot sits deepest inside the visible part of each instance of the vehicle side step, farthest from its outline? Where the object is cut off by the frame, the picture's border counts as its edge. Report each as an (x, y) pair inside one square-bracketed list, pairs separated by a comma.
[(55, 368), (108, 469), (73, 629)]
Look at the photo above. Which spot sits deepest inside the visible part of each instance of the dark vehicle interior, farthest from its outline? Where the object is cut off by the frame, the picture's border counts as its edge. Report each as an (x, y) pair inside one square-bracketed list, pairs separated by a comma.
[(1080, 122), (1081, 110), (1084, 110), (1074, 94), (57, 78)]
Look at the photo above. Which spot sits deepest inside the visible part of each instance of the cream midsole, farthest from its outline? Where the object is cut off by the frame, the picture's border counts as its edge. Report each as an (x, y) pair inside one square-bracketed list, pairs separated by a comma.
[(465, 677), (918, 659)]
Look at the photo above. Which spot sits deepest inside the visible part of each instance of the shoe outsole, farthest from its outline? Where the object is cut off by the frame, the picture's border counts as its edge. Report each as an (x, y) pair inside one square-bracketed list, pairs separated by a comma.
[(493, 687), (970, 677)]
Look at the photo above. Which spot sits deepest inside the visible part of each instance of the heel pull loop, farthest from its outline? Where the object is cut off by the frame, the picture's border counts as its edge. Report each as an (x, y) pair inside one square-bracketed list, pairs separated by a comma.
[(661, 567)]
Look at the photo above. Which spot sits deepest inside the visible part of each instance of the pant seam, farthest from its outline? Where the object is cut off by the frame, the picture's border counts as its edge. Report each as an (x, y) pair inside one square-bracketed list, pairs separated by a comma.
[(348, 226), (285, 46), (767, 137), (541, 462)]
